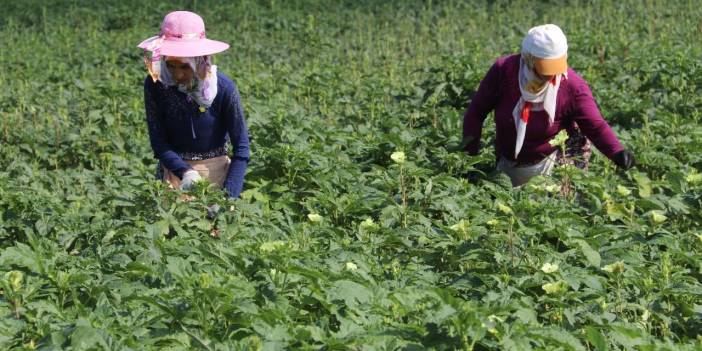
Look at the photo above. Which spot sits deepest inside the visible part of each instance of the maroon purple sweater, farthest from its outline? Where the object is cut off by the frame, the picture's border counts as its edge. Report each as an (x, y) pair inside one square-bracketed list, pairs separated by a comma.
[(499, 91)]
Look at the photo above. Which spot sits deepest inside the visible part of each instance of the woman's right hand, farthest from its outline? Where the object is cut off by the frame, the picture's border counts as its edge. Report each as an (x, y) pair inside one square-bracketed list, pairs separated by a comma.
[(189, 178)]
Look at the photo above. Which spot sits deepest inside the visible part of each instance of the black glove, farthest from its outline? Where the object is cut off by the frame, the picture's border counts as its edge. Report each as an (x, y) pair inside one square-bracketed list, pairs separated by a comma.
[(463, 146), (624, 159)]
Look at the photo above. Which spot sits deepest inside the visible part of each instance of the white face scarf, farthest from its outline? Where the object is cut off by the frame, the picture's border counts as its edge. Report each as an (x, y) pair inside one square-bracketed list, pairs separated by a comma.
[(544, 99), (203, 91)]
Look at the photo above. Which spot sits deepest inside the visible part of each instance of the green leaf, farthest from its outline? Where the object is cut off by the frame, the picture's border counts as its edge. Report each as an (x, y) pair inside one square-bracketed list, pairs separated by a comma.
[(9, 329), (158, 229), (85, 337), (515, 344), (592, 281), (21, 255), (592, 256), (178, 267), (595, 338), (560, 337), (616, 211), (527, 315), (627, 336), (352, 293), (644, 184)]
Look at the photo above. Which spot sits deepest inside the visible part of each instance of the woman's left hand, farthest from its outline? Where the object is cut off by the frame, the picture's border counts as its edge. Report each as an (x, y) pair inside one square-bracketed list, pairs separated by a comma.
[(624, 159)]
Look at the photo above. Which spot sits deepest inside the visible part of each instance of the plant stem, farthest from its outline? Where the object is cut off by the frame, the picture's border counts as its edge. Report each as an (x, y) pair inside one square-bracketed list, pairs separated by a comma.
[(511, 240), (619, 293), (403, 190)]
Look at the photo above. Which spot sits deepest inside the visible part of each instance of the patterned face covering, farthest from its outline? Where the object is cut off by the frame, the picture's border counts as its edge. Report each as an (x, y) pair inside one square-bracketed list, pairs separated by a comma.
[(202, 88), (536, 95)]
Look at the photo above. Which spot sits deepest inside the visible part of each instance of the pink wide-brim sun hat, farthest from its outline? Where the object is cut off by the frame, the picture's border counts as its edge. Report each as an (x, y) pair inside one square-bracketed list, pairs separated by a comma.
[(183, 35)]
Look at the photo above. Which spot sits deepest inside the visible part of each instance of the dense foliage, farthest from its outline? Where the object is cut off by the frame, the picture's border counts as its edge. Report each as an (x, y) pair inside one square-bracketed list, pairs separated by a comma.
[(336, 245)]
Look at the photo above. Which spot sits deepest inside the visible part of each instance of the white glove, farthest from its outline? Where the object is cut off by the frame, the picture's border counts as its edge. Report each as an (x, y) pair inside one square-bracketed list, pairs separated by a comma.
[(189, 178)]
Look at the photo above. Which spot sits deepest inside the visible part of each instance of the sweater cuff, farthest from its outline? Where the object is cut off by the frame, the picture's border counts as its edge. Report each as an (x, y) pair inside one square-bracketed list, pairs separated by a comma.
[(234, 183), (180, 172)]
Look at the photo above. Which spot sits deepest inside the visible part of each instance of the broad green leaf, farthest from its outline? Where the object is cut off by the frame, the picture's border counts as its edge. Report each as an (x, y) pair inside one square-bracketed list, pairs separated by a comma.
[(10, 328), (560, 337), (21, 255), (85, 337), (596, 339), (527, 315), (592, 256), (352, 293), (178, 267), (626, 336), (644, 184)]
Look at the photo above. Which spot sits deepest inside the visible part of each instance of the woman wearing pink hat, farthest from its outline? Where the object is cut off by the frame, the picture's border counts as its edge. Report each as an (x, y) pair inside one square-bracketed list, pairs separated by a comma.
[(193, 111), (535, 95)]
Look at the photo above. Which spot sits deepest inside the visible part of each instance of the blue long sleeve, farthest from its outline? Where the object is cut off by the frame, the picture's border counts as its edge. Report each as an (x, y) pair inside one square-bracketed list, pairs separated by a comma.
[(239, 138), (157, 133)]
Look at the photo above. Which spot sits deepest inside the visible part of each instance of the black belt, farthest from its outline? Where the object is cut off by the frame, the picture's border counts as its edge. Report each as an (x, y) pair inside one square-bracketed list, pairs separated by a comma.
[(196, 156)]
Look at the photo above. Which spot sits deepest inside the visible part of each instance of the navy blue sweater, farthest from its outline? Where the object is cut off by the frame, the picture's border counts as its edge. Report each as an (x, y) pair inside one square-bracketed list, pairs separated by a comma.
[(177, 127)]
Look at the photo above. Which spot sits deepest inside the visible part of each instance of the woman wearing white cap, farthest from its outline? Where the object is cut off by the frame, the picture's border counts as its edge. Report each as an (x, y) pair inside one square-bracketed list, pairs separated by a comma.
[(193, 111), (535, 95)]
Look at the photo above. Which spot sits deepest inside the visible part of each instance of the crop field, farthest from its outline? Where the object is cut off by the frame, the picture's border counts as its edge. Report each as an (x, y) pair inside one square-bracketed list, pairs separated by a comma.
[(336, 245)]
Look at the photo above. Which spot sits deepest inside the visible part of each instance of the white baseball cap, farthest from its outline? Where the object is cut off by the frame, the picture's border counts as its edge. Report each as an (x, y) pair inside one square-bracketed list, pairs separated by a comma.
[(549, 45)]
